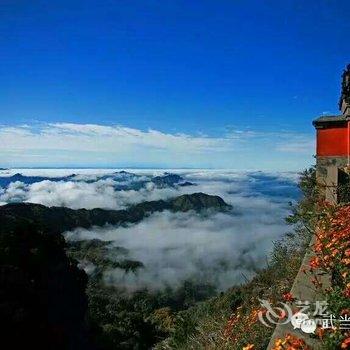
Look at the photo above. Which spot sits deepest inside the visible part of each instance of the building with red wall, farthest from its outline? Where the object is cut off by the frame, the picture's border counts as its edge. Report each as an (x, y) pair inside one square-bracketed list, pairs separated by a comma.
[(333, 147)]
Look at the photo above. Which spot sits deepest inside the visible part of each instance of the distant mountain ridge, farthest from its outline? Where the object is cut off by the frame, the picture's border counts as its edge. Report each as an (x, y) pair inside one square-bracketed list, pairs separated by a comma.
[(60, 219), (135, 181), (170, 180)]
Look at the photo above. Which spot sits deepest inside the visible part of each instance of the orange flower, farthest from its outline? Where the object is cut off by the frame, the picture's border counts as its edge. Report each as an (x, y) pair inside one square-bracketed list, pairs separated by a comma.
[(346, 343), (248, 347), (290, 342), (314, 262), (332, 252), (288, 296)]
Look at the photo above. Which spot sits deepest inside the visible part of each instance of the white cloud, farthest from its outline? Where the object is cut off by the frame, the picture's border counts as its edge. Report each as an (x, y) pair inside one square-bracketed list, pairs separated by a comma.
[(67, 144), (176, 246), (106, 193), (297, 145), (91, 137), (223, 249), (76, 195)]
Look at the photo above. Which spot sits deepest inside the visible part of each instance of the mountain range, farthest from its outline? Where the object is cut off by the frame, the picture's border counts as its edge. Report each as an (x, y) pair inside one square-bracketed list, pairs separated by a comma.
[(59, 219)]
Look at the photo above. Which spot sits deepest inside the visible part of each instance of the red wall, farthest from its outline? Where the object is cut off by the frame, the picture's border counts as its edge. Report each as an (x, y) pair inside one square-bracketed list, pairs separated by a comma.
[(332, 141)]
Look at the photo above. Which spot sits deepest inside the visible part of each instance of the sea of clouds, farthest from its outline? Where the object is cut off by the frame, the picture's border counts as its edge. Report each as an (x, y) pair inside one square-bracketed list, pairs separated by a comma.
[(222, 249)]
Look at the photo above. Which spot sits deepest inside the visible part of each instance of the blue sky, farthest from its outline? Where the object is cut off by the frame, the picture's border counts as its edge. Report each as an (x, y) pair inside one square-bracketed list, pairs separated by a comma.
[(225, 80)]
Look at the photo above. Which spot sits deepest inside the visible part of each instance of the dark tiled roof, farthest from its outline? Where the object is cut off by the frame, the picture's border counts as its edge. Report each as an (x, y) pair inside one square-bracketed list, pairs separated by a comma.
[(329, 120)]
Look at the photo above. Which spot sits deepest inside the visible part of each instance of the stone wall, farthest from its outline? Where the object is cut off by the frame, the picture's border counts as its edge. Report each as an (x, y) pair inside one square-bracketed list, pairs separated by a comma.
[(327, 175)]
